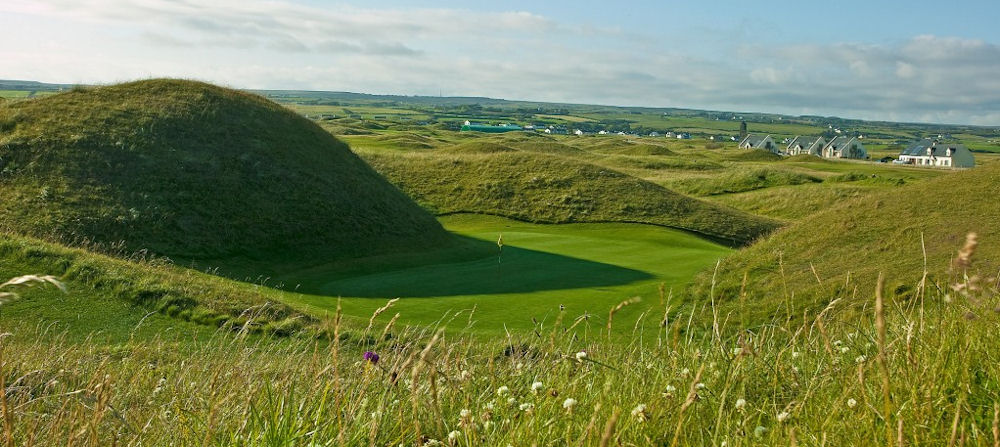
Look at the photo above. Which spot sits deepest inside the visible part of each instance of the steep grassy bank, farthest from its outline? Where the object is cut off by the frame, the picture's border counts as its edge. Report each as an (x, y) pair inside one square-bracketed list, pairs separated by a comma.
[(836, 253), (111, 290), (193, 171), (537, 187)]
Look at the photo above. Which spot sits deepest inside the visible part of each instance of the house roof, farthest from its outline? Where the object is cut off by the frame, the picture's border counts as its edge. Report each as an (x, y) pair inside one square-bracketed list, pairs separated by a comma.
[(938, 149), (805, 142), (839, 142), (753, 140)]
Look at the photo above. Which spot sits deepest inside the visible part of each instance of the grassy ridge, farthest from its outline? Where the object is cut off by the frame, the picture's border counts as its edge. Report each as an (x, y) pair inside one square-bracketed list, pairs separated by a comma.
[(543, 188), (145, 285), (190, 170), (851, 243)]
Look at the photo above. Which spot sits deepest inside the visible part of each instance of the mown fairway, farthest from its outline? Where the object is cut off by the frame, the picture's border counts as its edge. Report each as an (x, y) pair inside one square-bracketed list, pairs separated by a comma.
[(588, 268)]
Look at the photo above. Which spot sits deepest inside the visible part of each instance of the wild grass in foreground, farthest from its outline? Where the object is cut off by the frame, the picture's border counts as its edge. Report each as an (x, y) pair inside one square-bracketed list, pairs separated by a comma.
[(920, 372)]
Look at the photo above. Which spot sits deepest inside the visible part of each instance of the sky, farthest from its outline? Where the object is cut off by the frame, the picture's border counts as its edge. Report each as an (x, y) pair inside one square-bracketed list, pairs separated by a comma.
[(882, 60)]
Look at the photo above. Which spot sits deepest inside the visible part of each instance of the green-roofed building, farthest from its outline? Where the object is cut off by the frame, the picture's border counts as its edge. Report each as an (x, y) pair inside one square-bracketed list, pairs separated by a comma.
[(473, 127)]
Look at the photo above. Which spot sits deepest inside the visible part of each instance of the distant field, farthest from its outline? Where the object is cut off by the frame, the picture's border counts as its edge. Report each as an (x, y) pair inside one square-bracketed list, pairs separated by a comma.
[(567, 118), (706, 124), (14, 93), (588, 268)]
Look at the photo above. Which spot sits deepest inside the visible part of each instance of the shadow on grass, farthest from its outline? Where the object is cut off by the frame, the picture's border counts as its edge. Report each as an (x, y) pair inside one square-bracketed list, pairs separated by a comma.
[(517, 270)]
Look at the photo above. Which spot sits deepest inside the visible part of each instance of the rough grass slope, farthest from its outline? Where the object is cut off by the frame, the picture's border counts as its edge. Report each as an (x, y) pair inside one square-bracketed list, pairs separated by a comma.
[(547, 188), (194, 171), (841, 251)]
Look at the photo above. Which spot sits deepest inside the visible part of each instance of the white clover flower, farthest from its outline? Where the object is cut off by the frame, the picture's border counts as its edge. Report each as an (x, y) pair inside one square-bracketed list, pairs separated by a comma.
[(527, 407), (699, 386), (669, 391), (464, 414), (537, 387), (795, 354), (432, 442), (844, 349), (511, 401), (487, 425), (465, 375), (503, 391), (740, 404), (453, 436), (783, 416), (581, 356), (860, 359), (685, 372), (851, 403), (159, 385), (569, 403), (519, 365), (639, 412), (837, 342)]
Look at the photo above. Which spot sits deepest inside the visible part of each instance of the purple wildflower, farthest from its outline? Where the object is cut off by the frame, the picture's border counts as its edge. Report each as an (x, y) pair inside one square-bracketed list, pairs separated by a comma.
[(371, 357)]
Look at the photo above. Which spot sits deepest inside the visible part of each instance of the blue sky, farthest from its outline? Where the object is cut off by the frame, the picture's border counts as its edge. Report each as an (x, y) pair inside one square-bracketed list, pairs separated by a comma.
[(904, 61)]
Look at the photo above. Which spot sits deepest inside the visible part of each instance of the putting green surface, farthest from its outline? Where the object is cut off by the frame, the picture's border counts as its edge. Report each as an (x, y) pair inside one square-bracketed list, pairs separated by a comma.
[(588, 268)]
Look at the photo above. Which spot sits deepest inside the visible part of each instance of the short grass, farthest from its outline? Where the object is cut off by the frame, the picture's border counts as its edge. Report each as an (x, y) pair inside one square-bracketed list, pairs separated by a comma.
[(587, 268)]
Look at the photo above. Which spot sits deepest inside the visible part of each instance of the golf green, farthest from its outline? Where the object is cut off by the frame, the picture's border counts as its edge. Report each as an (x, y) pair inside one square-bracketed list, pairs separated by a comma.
[(585, 268)]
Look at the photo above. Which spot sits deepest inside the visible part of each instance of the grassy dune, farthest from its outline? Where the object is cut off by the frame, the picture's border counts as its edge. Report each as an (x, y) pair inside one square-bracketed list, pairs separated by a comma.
[(555, 189), (193, 171), (839, 251), (139, 285)]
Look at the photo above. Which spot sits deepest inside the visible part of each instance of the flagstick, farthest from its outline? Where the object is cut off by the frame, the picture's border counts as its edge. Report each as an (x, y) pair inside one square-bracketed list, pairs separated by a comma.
[(500, 251)]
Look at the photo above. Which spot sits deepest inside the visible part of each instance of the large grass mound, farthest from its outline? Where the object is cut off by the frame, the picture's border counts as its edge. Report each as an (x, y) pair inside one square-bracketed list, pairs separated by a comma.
[(840, 252), (545, 188), (193, 171)]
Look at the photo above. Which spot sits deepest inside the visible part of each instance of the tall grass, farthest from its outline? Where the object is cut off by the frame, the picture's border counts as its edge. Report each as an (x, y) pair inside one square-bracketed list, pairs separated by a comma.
[(917, 372)]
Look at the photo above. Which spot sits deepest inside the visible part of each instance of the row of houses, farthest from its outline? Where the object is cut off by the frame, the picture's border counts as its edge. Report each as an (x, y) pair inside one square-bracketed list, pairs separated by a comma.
[(926, 152), (837, 147)]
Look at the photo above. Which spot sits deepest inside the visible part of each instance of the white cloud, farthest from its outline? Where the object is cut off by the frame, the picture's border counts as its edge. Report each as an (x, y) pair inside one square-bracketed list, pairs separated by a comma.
[(513, 54)]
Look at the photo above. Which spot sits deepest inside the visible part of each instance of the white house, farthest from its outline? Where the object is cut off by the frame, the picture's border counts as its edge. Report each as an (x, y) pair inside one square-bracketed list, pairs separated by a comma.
[(758, 142), (937, 153), (844, 147), (806, 145)]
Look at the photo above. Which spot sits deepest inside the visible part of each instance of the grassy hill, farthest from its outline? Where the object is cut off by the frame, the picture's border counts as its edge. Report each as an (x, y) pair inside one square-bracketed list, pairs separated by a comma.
[(193, 171), (544, 188), (850, 244)]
